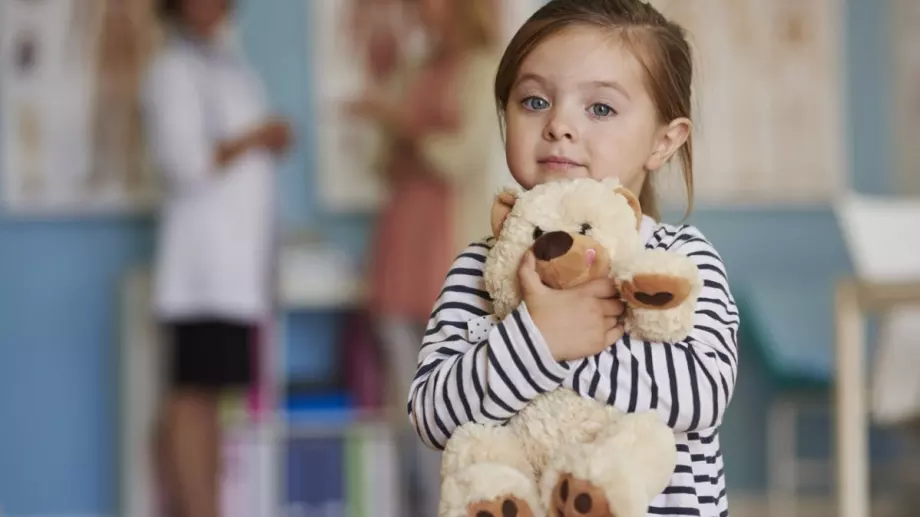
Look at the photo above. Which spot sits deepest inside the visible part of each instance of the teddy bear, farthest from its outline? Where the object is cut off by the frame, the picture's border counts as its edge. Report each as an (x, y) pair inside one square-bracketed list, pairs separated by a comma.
[(564, 454)]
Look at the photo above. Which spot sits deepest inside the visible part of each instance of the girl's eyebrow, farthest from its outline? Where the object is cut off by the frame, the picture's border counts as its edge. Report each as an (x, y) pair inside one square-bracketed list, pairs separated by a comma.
[(530, 77), (612, 85), (539, 79)]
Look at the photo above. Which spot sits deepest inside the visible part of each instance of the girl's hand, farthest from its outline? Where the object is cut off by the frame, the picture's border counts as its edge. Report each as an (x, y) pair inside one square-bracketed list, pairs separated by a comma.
[(577, 322)]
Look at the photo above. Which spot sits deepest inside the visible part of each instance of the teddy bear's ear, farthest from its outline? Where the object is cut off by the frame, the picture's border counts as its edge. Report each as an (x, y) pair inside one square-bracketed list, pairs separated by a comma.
[(502, 206), (633, 202)]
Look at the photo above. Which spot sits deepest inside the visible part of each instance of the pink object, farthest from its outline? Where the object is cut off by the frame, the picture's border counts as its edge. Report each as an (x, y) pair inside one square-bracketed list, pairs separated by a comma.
[(591, 256), (258, 398), (363, 364)]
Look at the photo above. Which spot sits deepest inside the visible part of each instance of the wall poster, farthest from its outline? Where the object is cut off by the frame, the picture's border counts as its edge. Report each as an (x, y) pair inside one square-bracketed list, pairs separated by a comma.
[(71, 129), (352, 48), (769, 103)]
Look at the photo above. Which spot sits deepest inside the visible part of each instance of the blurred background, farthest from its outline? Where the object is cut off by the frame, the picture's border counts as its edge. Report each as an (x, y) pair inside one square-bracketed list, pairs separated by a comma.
[(800, 104)]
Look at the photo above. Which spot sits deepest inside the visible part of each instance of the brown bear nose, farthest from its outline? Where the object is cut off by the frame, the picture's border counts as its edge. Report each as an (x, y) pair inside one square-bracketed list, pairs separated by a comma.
[(551, 245)]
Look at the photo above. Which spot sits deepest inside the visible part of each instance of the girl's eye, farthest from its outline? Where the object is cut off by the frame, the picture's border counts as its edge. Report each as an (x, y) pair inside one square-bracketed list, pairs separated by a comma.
[(601, 110), (535, 103), (585, 228), (537, 232)]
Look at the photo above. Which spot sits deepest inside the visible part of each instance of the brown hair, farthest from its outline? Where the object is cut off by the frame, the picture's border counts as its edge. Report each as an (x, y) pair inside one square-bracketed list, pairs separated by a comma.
[(661, 47), (477, 20), (169, 10)]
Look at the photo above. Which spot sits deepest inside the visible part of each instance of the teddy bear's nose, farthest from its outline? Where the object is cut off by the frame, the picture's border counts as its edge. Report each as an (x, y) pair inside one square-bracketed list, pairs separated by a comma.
[(551, 245)]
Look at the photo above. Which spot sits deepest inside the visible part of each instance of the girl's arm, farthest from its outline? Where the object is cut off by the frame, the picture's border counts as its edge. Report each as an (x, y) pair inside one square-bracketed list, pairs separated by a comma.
[(469, 370), (689, 383)]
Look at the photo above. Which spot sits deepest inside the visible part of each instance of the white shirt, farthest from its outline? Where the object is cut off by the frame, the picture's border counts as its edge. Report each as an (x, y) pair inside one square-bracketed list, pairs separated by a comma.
[(214, 250)]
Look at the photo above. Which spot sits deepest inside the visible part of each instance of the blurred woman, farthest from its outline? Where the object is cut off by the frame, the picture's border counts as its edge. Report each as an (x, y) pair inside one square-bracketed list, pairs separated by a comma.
[(442, 139), (213, 141)]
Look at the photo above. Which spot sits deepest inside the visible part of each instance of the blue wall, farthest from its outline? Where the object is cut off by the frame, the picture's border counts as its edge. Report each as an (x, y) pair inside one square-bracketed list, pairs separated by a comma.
[(58, 284)]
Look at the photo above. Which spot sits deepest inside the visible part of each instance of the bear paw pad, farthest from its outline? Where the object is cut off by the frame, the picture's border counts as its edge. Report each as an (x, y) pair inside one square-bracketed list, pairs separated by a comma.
[(500, 507), (653, 291), (576, 498)]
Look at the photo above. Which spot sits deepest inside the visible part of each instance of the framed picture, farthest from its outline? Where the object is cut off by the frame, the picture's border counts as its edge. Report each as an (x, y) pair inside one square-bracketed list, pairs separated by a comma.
[(351, 50), (71, 130), (769, 126)]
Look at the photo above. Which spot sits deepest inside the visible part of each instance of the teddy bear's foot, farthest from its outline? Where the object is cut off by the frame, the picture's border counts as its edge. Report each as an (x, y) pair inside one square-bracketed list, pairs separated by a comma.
[(617, 475), (508, 506), (489, 490), (573, 497)]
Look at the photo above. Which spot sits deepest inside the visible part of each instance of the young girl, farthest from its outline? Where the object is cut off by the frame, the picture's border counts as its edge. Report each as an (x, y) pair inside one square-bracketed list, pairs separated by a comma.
[(590, 88)]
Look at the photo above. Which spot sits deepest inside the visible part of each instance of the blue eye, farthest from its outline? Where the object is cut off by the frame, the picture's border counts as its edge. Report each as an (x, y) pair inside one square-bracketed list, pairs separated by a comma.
[(535, 103), (601, 110)]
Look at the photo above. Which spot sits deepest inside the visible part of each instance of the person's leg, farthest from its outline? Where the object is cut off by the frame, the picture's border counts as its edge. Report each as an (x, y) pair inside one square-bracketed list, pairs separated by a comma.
[(207, 357), (193, 450), (400, 344), (420, 466)]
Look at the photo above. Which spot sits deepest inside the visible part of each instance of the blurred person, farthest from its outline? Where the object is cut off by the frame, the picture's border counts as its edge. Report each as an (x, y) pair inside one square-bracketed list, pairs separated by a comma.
[(215, 143), (438, 117)]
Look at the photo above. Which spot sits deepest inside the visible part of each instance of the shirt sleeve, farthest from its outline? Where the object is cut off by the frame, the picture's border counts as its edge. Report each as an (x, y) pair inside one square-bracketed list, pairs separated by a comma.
[(175, 124), (462, 380), (688, 383)]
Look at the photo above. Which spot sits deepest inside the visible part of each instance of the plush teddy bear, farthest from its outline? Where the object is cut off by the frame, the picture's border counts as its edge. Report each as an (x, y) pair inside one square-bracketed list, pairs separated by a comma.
[(564, 454)]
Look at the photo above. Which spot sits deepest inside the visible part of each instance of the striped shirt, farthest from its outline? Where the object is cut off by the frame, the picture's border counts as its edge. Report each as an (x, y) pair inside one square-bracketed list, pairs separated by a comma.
[(465, 374)]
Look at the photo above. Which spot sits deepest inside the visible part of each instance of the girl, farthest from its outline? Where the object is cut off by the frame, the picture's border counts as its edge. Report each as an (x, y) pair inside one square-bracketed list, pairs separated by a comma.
[(590, 88)]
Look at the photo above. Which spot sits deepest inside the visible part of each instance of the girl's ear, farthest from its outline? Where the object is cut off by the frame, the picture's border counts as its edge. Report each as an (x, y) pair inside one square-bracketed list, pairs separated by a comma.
[(501, 208), (670, 139)]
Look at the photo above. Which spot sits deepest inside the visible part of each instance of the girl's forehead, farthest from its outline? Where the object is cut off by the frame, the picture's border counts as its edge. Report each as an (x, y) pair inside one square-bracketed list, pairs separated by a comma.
[(583, 54)]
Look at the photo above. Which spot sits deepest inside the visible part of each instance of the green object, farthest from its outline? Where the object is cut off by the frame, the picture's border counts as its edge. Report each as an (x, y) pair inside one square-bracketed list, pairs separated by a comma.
[(355, 488)]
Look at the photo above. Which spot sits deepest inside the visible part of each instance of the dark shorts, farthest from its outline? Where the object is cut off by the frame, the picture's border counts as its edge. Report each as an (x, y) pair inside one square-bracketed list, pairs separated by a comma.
[(210, 354)]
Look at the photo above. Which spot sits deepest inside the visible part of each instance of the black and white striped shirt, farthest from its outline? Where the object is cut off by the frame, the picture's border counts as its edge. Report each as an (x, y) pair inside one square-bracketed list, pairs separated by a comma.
[(689, 383)]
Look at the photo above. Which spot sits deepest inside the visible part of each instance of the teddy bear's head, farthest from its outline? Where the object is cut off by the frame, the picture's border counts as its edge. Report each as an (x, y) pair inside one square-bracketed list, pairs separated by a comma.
[(577, 228)]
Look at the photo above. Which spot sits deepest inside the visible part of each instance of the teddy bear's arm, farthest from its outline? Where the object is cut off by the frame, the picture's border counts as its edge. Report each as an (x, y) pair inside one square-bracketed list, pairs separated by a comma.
[(661, 290), (687, 382)]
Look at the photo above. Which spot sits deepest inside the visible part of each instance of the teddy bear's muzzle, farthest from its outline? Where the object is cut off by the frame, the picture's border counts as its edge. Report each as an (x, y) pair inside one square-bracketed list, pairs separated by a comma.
[(565, 260)]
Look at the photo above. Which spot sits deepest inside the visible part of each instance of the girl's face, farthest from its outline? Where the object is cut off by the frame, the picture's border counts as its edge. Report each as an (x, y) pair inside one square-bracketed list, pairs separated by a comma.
[(203, 16), (579, 108)]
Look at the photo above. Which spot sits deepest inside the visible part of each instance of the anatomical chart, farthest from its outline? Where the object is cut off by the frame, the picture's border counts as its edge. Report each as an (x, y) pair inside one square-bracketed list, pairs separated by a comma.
[(905, 99), (355, 46), (768, 107), (72, 132)]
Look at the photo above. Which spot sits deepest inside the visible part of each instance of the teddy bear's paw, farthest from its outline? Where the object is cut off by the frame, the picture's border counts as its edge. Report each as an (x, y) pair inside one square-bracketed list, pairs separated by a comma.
[(573, 497), (489, 490), (598, 479), (655, 291)]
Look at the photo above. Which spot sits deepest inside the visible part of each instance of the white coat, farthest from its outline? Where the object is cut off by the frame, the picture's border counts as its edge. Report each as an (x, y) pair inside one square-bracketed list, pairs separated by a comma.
[(216, 231)]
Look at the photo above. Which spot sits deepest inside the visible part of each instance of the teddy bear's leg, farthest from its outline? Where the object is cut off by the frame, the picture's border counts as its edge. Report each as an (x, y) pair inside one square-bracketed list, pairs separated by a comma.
[(616, 476), (660, 288), (485, 473)]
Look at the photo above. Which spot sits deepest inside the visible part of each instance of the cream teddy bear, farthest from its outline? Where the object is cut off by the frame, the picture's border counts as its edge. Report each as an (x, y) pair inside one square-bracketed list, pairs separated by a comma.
[(566, 455)]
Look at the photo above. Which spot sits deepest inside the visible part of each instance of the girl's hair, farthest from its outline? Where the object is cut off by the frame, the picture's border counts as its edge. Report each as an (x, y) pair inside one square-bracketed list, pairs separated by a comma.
[(659, 44), (477, 21), (168, 10)]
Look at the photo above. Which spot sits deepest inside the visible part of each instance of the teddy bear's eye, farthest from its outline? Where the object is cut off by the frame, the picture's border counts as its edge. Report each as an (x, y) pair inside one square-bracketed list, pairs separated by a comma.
[(585, 228), (537, 232)]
